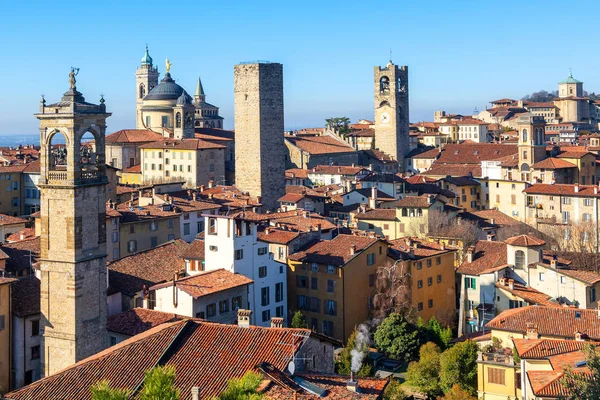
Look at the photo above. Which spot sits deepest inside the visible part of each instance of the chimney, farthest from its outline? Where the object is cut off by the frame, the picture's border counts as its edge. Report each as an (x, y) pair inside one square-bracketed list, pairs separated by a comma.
[(490, 237), (553, 262), (470, 254), (579, 336), (276, 322), (492, 221), (267, 230), (244, 318), (576, 188), (319, 228), (511, 284), (211, 183), (22, 236), (195, 393), (373, 198), (201, 188), (352, 249), (442, 246), (532, 331), (502, 281), (595, 189), (352, 384)]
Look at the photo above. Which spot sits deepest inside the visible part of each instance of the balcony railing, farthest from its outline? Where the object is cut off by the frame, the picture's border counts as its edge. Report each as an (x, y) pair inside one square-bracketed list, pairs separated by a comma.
[(57, 176), (89, 176)]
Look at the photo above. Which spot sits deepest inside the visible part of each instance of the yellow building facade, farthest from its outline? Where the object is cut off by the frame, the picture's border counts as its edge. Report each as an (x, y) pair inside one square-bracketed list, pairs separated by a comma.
[(5, 334)]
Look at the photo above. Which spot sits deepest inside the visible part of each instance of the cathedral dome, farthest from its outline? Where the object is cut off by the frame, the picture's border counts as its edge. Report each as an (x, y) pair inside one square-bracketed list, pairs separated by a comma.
[(184, 99), (167, 89)]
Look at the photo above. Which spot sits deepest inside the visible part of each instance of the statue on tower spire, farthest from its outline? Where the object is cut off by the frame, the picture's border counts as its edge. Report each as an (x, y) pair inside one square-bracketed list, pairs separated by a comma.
[(72, 80), (168, 65)]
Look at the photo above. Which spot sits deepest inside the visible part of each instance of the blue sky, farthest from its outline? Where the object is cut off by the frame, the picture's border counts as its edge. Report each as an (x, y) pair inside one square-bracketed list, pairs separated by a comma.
[(461, 54)]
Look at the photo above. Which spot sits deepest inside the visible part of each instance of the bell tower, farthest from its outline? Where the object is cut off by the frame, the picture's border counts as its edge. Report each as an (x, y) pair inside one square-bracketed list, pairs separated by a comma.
[(73, 237), (391, 111), (146, 77), (532, 143)]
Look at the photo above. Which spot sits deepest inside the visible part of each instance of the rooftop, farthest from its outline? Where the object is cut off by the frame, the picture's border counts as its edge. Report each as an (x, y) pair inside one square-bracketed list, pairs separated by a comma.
[(208, 282), (138, 320), (336, 252)]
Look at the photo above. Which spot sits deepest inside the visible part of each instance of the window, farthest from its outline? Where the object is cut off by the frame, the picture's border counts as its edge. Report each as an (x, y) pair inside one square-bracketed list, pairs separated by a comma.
[(35, 352), (278, 292), (213, 248), (566, 216), (330, 286), (496, 376), (563, 280), (35, 327), (153, 225), (314, 283), (223, 306), (519, 259), (419, 283), (236, 302), (281, 269), (541, 276), (154, 241), (239, 254), (439, 279), (115, 254), (314, 304), (470, 283), (301, 281), (113, 340), (262, 251), (429, 263), (420, 307), (262, 271), (264, 296), (314, 267), (115, 237), (266, 315), (588, 202), (211, 310), (132, 246), (331, 307), (330, 269), (186, 228), (370, 258), (327, 328), (438, 260), (279, 311), (429, 281), (430, 303), (592, 294), (301, 302), (372, 280), (566, 200)]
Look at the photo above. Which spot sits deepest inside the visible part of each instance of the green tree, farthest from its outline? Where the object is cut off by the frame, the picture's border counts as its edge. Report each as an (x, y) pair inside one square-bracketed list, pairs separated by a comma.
[(159, 384), (394, 391), (298, 321), (433, 331), (584, 386), (344, 365), (102, 391), (243, 388), (457, 393), (458, 365), (338, 123), (423, 375), (397, 338)]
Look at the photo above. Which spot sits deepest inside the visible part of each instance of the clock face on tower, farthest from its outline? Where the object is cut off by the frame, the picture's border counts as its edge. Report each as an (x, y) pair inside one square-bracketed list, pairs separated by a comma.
[(385, 118)]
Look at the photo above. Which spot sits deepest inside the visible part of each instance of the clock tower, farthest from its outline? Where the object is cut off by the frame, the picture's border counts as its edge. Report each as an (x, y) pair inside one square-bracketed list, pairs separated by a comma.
[(391, 111)]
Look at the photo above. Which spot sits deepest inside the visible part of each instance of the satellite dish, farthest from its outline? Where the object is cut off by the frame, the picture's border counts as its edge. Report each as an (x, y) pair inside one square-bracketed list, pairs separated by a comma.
[(292, 367)]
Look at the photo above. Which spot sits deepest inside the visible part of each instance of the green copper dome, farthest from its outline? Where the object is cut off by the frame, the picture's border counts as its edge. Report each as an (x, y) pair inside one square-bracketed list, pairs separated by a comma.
[(147, 60), (570, 79)]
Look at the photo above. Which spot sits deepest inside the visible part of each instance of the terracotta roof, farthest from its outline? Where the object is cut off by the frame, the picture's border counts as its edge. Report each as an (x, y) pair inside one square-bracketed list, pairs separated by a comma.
[(132, 136), (149, 212), (182, 144), (216, 133), (379, 214), (279, 236), (334, 252), (138, 320), (488, 256), (195, 251), (32, 167), (542, 348), (296, 173), (474, 153), (419, 248), (588, 277), (23, 234), (529, 294), (524, 241), (319, 144), (121, 189), (382, 178), (300, 221), (563, 190), (381, 196), (428, 154), (547, 384), (136, 169), (361, 133), (560, 322), (5, 280), (10, 220), (416, 179), (281, 386), (291, 198), (208, 282), (12, 168), (148, 267), (186, 203), (21, 255), (204, 354), (335, 170), (453, 170), (26, 296), (380, 156), (553, 163), (423, 201), (502, 101), (229, 197), (461, 181), (573, 154)]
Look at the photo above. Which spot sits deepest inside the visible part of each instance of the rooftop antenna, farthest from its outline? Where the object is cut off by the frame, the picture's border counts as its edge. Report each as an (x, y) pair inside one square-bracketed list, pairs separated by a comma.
[(390, 55)]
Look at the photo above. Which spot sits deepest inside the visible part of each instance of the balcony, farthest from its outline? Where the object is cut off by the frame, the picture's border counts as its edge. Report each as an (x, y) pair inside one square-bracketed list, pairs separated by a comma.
[(57, 176)]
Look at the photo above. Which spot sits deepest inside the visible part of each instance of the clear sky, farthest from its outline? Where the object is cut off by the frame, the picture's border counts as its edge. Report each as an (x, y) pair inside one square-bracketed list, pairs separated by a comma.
[(461, 54)]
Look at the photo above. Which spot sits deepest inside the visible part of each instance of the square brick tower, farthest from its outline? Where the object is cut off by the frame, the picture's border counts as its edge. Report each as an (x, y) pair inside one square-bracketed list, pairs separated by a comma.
[(391, 111), (73, 238), (259, 146)]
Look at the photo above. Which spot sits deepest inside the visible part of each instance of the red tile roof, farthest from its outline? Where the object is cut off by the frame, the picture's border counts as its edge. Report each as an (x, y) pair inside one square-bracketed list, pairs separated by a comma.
[(301, 221), (488, 256), (524, 241), (195, 251), (574, 154), (203, 354), (26, 296), (468, 153), (208, 282), (560, 322), (415, 248), (136, 169), (188, 201), (563, 190), (21, 255), (319, 144), (272, 235), (553, 163), (379, 214), (336, 252), (423, 201), (529, 294), (23, 234), (133, 136), (138, 320), (416, 179), (296, 173), (149, 267), (182, 144), (291, 198), (499, 217), (336, 170), (542, 348), (10, 220), (547, 384)]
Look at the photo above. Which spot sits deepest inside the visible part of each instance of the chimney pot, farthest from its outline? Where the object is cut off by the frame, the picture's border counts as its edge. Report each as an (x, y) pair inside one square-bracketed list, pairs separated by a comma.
[(195, 393), (352, 249), (276, 322), (244, 318), (511, 284), (352, 385)]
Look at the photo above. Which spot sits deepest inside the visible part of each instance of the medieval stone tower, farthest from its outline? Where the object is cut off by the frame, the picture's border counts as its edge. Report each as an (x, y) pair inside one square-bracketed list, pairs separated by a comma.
[(73, 238), (259, 146), (532, 142), (146, 77), (391, 111)]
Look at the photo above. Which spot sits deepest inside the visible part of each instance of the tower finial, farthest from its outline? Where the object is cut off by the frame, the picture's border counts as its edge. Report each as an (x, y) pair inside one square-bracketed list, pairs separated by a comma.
[(72, 80), (390, 55), (168, 65), (570, 73)]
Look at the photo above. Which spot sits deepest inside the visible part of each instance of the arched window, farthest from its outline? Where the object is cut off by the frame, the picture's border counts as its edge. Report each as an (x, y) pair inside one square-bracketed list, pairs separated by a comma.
[(525, 136), (385, 103), (178, 120), (142, 91), (57, 146), (384, 84), (519, 259)]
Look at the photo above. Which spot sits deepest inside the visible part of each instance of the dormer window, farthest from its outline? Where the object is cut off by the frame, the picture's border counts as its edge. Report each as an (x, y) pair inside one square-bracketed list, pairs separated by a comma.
[(519, 259)]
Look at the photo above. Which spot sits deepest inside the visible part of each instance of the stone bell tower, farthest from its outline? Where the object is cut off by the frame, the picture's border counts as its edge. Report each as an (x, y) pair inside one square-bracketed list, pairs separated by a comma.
[(391, 111), (146, 78), (73, 238)]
